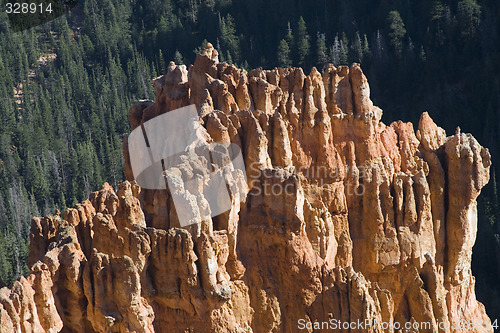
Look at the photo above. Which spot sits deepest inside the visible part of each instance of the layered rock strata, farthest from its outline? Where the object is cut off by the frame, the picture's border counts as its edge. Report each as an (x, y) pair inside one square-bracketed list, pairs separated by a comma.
[(347, 219)]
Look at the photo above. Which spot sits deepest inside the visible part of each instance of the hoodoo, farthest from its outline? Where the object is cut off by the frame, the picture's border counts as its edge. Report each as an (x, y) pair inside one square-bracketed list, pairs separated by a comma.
[(347, 221)]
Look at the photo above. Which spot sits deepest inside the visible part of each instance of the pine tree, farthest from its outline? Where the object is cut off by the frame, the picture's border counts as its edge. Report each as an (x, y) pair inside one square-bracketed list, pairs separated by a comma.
[(422, 56), (495, 199), (397, 32), (469, 16), (229, 58), (357, 47), (245, 66), (200, 48), (284, 54), (3, 214), (335, 51), (410, 49), (5, 267), (289, 36), (19, 208), (321, 51), (302, 42), (162, 66), (178, 59), (228, 38), (438, 14), (344, 50), (366, 48), (380, 52)]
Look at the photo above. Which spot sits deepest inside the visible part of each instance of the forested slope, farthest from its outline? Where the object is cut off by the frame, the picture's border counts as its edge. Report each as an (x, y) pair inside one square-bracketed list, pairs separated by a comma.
[(65, 87)]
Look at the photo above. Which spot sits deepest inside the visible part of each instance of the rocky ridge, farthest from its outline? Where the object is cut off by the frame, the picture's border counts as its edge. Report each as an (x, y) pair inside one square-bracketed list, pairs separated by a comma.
[(347, 218)]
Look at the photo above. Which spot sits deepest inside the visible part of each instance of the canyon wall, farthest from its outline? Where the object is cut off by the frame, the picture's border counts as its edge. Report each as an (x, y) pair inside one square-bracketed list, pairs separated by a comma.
[(347, 219)]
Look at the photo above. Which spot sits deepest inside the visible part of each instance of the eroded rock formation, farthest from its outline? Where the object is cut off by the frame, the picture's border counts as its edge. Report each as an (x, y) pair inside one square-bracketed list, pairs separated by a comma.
[(347, 219)]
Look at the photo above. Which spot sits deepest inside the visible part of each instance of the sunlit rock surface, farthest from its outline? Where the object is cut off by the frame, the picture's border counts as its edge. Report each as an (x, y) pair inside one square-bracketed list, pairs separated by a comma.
[(347, 218)]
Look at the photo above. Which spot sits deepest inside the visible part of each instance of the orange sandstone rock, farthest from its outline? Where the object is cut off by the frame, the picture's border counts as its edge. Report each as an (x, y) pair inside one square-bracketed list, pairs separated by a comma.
[(347, 219)]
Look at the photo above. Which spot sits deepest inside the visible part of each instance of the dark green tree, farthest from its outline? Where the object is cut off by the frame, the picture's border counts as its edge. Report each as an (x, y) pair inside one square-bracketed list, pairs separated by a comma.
[(284, 54), (321, 51), (357, 47), (335, 51), (229, 40), (397, 32), (469, 16), (178, 59), (289, 36), (302, 42)]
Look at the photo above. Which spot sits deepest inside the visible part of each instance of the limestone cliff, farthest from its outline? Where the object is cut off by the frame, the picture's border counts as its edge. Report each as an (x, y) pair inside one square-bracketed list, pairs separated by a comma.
[(372, 221)]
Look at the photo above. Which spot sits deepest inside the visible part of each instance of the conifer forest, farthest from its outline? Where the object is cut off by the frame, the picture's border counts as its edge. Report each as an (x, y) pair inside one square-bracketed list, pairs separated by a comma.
[(66, 87)]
